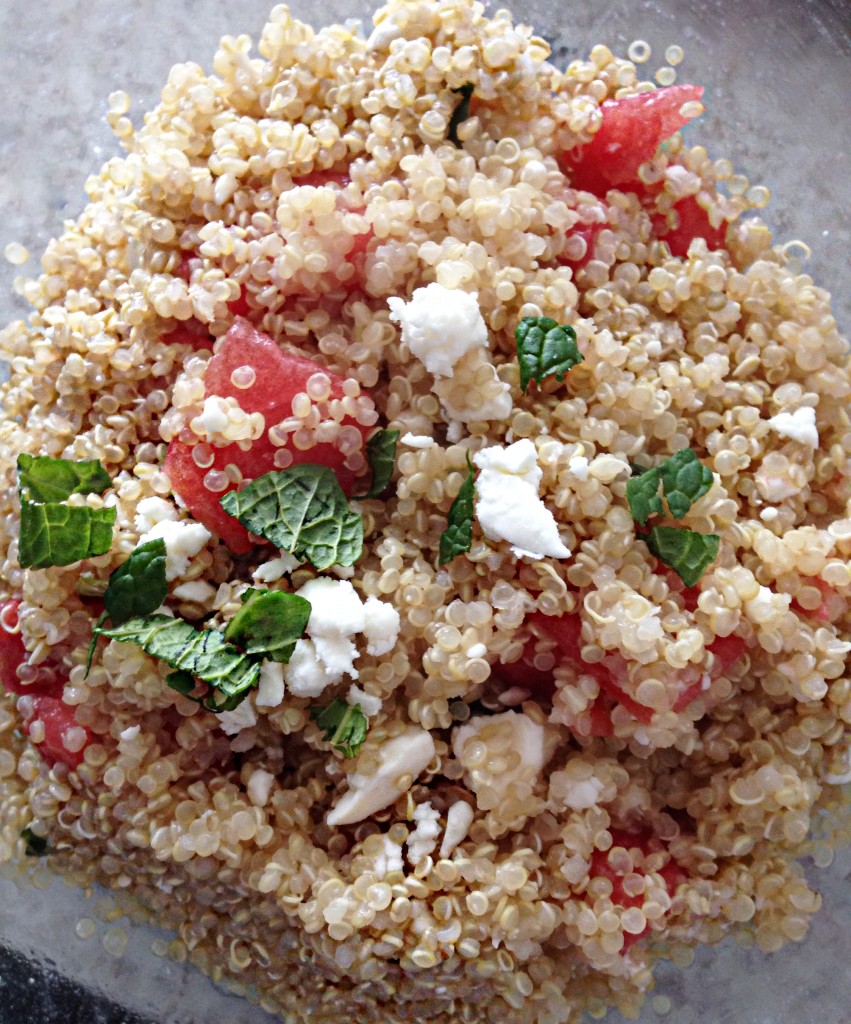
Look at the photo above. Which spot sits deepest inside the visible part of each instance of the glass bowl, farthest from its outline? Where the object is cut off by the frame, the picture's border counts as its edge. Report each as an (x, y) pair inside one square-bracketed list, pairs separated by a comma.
[(778, 79)]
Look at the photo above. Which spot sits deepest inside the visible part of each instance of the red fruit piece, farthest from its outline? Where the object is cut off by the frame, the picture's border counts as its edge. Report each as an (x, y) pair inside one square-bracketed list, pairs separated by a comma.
[(190, 333), (589, 233), (630, 133), (13, 653), (58, 718), (693, 223), (279, 377)]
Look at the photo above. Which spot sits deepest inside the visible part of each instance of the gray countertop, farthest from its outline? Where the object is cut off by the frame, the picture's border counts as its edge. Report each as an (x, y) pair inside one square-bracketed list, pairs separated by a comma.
[(778, 77)]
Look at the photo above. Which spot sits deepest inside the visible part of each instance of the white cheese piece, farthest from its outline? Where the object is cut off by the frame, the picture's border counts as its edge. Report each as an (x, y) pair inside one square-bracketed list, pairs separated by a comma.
[(767, 605), (183, 540), (242, 717), (381, 626), (335, 607), (583, 794), (270, 691), (459, 818), (306, 675), (578, 465), (417, 440), (800, 425), (529, 739), (439, 325), (214, 417), (423, 839), (197, 591), (389, 860), (130, 733), (775, 488), (367, 702), (276, 568), (260, 786), (401, 760), (508, 506), (151, 511)]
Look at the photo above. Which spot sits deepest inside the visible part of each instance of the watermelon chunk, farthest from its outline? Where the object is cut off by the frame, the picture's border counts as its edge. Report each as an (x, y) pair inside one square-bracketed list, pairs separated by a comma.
[(631, 131), (13, 653), (279, 377), (58, 718), (693, 223)]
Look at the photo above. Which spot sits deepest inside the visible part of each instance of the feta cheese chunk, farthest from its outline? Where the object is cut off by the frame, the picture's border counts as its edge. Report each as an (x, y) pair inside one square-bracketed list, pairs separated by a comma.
[(439, 325), (417, 440), (367, 702), (197, 591), (276, 568), (151, 511), (800, 425), (260, 786), (242, 717), (459, 818), (270, 691), (423, 839), (329, 652), (183, 540), (508, 506), (214, 416), (401, 760)]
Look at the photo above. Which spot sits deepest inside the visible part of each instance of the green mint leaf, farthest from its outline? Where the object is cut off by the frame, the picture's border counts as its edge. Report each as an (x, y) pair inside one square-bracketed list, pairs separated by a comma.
[(301, 510), (688, 553), (36, 846), (642, 493), (43, 479), (138, 587), (183, 682), (93, 644), (268, 624), (457, 538), (544, 348), (460, 113), (381, 453), (345, 725), (55, 534), (203, 653), (684, 480)]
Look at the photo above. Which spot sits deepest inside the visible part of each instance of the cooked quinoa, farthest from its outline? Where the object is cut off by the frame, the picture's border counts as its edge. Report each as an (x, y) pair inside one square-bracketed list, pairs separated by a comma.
[(552, 823)]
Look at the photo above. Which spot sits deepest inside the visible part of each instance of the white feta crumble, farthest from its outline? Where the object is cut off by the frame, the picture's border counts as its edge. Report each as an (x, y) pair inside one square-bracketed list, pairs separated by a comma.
[(800, 425), (417, 440), (389, 860), (459, 818), (337, 615), (439, 325), (578, 465), (276, 568), (532, 741), (508, 505), (242, 717), (423, 839), (270, 691), (214, 416), (260, 786), (130, 733), (454, 432), (401, 760), (151, 511), (367, 702), (183, 540), (197, 591), (584, 794)]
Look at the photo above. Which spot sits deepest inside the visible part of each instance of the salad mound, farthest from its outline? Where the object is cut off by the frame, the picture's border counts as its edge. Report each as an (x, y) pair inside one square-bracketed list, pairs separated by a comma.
[(425, 531)]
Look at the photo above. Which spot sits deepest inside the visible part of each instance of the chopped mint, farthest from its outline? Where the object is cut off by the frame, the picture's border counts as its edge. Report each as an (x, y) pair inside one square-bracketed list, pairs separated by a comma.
[(688, 553), (138, 587), (345, 725), (460, 113), (381, 453), (545, 348), (684, 480), (302, 510), (56, 534), (43, 479), (457, 538), (642, 493), (268, 624)]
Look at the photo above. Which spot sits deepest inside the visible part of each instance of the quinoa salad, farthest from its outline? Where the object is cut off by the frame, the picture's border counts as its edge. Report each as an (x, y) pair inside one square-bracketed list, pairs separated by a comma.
[(425, 533)]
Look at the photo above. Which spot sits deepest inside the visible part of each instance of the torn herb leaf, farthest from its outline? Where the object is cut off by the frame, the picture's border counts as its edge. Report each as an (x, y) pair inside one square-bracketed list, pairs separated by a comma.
[(642, 493), (457, 538), (36, 846), (684, 480), (268, 624), (203, 653), (345, 725), (138, 587), (381, 454), (93, 643), (545, 348), (43, 479), (460, 113), (688, 553), (55, 534), (303, 511)]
